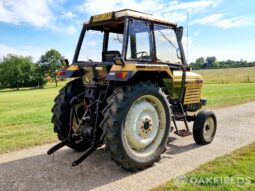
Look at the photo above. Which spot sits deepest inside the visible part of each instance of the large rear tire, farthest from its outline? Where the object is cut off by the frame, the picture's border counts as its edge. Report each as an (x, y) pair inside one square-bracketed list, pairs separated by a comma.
[(62, 112), (137, 123)]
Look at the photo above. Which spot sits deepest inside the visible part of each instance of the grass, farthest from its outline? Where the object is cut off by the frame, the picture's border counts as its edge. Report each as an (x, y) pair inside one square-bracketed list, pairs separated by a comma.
[(219, 95), (238, 168), (25, 117), (230, 75), (25, 114)]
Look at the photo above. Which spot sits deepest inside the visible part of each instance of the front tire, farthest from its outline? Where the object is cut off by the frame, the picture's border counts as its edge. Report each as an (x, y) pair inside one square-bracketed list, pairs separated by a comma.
[(204, 127), (137, 123)]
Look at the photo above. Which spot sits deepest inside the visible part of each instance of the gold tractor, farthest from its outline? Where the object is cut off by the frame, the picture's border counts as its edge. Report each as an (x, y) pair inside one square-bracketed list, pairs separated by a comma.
[(131, 85)]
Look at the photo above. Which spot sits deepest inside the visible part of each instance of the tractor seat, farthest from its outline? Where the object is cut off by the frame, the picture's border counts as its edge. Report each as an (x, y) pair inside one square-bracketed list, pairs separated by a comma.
[(108, 56)]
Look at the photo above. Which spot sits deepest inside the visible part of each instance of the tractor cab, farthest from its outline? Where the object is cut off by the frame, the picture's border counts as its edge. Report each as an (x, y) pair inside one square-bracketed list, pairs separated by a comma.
[(131, 35)]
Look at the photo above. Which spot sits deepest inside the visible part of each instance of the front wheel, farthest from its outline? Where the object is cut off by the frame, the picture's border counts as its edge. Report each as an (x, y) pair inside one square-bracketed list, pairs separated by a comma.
[(137, 121), (204, 127)]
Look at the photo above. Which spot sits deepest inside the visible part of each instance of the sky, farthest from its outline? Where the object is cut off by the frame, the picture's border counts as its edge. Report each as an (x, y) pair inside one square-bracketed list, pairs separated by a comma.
[(221, 28)]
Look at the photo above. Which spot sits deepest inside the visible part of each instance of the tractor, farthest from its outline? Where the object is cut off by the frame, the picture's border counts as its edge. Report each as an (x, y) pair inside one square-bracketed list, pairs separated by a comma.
[(131, 86)]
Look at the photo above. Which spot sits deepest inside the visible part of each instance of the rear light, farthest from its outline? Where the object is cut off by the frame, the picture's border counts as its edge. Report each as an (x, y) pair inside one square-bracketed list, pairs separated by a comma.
[(121, 74), (61, 73)]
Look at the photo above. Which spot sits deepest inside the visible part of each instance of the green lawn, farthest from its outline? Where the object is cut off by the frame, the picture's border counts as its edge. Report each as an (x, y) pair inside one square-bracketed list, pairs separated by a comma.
[(232, 172), (219, 95), (25, 114), (25, 117)]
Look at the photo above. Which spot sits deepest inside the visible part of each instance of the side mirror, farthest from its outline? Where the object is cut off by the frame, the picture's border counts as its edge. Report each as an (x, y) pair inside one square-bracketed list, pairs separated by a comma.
[(179, 33), (119, 61), (64, 62)]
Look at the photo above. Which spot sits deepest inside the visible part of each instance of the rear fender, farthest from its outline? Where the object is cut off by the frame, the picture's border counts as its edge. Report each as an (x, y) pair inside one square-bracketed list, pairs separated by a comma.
[(129, 71)]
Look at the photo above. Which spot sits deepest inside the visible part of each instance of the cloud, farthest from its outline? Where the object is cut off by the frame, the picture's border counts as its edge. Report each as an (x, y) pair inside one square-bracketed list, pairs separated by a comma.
[(177, 10), (36, 13), (30, 50), (69, 15), (220, 20), (173, 10), (36, 52), (96, 6), (192, 6)]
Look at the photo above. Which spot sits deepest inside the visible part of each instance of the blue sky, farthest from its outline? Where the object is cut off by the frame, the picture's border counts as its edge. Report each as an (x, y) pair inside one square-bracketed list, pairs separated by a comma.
[(221, 28)]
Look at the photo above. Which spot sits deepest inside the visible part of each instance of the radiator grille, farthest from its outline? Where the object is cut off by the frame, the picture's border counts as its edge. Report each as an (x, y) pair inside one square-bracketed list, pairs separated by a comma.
[(192, 95)]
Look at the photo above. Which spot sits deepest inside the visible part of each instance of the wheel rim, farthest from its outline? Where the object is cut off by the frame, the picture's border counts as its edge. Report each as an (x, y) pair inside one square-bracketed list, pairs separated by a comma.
[(209, 129), (145, 126)]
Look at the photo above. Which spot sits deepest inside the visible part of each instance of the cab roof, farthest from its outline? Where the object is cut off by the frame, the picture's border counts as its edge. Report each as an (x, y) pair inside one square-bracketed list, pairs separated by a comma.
[(116, 15)]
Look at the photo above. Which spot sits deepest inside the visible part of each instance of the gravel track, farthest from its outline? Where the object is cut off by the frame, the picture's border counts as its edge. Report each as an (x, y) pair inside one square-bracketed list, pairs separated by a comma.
[(32, 169)]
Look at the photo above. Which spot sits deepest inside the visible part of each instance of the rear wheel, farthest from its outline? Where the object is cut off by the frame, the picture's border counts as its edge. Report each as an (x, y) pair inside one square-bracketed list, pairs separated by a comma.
[(137, 121), (63, 119), (204, 127)]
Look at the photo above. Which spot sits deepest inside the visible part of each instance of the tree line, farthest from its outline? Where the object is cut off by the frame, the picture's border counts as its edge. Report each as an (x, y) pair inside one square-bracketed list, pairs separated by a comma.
[(20, 71), (212, 63)]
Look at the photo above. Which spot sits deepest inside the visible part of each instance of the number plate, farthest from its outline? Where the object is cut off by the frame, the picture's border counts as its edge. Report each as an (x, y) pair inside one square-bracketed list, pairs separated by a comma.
[(102, 17)]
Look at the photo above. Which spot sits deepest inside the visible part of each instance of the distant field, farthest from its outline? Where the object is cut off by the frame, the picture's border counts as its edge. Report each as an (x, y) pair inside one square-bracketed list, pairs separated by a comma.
[(25, 114), (230, 75)]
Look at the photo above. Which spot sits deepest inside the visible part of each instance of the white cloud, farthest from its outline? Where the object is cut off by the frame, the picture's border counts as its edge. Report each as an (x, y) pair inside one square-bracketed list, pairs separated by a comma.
[(36, 13), (192, 6), (36, 52), (173, 10), (219, 20), (92, 43), (68, 15), (97, 6)]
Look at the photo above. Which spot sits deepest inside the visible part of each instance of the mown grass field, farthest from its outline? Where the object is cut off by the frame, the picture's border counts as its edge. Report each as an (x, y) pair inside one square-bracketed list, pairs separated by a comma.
[(229, 75), (232, 172), (219, 95), (25, 117)]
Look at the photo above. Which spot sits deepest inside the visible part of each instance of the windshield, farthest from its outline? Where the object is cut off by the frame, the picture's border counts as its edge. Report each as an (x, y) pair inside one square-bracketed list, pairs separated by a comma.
[(92, 45), (166, 45)]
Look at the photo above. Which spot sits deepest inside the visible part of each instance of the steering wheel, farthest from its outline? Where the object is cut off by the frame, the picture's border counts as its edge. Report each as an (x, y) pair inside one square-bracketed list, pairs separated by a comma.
[(143, 53)]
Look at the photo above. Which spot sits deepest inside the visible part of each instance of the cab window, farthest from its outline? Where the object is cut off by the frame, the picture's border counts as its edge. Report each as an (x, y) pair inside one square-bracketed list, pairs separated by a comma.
[(139, 41), (166, 45)]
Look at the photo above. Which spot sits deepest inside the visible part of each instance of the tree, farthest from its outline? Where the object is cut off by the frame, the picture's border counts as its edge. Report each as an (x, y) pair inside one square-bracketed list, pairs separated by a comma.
[(39, 79), (211, 61), (198, 64), (16, 71), (49, 64)]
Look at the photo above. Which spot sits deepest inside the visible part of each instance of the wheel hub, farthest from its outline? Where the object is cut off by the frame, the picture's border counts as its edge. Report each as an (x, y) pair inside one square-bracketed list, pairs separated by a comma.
[(209, 128), (146, 127)]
